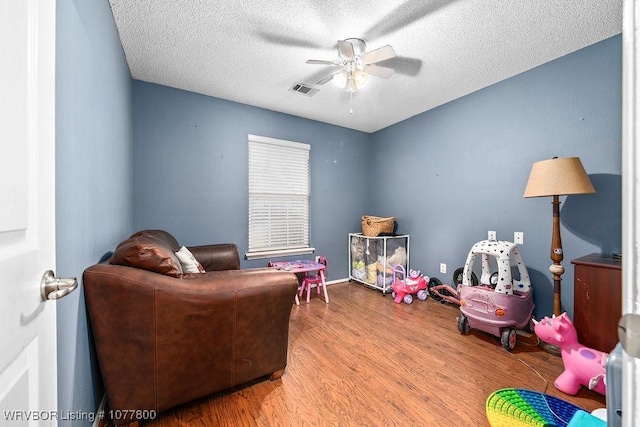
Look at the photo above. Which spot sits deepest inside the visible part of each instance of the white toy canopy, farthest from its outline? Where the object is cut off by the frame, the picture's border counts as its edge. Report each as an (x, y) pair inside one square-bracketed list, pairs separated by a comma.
[(503, 252)]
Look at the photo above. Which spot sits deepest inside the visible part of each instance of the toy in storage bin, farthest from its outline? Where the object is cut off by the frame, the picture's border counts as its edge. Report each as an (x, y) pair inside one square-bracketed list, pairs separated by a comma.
[(500, 304), (372, 259)]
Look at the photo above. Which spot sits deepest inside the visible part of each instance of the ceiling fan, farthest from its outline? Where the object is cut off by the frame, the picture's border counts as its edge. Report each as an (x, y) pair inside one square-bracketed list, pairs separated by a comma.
[(357, 64)]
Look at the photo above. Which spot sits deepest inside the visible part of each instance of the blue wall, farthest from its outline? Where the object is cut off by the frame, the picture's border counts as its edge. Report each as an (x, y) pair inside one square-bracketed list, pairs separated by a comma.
[(448, 175), (451, 174), (93, 177), (191, 176)]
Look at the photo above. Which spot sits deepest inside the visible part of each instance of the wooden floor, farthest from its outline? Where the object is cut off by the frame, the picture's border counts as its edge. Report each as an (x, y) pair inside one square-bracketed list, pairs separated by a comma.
[(363, 360)]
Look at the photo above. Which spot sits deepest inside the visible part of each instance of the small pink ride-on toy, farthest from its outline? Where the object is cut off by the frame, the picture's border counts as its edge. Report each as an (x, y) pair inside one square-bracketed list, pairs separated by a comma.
[(403, 289), (583, 366), (500, 304)]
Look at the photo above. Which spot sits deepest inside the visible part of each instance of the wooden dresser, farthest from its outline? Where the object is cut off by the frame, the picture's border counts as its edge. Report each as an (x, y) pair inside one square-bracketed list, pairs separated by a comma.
[(597, 300)]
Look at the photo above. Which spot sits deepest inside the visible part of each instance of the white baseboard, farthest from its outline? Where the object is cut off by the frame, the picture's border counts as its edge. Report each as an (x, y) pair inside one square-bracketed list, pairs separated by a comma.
[(333, 282)]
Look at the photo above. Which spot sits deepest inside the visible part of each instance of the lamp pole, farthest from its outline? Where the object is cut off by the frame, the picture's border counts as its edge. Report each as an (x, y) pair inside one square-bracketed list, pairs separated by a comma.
[(557, 177), (556, 256)]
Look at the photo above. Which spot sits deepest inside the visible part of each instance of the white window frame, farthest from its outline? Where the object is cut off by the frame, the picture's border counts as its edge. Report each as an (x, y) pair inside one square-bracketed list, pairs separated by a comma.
[(279, 194)]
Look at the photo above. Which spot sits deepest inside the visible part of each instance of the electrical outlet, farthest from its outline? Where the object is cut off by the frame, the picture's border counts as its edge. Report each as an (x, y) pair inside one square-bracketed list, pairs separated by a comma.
[(443, 268), (518, 238), (317, 259), (492, 235)]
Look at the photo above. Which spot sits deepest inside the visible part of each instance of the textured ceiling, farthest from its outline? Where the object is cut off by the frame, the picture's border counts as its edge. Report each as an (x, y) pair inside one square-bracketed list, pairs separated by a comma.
[(253, 51)]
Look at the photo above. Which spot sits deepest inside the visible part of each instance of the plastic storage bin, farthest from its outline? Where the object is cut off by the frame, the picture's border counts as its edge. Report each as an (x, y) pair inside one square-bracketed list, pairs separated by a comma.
[(372, 259)]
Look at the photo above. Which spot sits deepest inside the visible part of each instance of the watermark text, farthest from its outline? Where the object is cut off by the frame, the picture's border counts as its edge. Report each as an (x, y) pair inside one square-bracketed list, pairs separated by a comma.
[(24, 415)]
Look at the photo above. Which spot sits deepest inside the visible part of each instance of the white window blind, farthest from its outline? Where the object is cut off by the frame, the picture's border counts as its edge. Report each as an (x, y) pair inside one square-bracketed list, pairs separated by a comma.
[(278, 197)]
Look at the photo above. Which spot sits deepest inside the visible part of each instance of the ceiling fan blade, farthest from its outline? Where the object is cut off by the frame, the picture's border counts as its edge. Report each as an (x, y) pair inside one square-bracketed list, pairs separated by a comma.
[(346, 49), (326, 79), (379, 71), (377, 55), (322, 62)]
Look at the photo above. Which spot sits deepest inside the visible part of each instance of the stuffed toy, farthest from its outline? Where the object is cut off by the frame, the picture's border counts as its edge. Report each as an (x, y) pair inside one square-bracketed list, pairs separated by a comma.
[(357, 258), (371, 271), (399, 257)]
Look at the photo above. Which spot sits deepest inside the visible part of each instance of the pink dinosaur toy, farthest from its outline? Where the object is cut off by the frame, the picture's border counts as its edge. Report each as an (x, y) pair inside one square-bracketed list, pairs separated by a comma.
[(582, 365)]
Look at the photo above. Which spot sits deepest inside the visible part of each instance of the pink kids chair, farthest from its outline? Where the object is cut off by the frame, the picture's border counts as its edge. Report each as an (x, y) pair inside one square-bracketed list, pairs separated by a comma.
[(315, 279)]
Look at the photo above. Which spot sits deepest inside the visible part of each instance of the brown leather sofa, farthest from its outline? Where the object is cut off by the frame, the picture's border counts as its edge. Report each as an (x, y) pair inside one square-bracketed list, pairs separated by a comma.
[(164, 337)]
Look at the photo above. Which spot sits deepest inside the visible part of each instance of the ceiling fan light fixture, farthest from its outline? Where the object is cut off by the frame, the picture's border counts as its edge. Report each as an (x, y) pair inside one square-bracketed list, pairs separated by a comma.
[(351, 85), (360, 78), (340, 79), (357, 65)]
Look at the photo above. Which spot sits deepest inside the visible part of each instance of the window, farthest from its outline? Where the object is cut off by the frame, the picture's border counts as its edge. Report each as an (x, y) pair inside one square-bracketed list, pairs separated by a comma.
[(278, 198)]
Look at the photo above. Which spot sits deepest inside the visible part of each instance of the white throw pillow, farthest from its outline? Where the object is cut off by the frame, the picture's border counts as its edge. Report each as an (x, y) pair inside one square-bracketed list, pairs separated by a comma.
[(189, 263)]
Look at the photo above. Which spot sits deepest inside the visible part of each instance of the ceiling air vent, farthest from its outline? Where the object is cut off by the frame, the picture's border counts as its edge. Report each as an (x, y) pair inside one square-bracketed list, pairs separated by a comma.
[(303, 89)]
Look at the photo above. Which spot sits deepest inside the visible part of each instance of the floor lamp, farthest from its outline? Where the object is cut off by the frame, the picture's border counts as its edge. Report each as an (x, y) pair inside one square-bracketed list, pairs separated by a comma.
[(557, 177)]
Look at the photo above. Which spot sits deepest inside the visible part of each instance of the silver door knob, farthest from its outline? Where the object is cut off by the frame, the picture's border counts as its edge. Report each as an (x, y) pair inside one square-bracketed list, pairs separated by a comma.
[(629, 334), (52, 288)]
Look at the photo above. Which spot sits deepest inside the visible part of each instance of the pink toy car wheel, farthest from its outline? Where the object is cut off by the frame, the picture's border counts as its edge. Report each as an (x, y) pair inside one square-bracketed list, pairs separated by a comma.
[(408, 299), (422, 295), (508, 338), (463, 324)]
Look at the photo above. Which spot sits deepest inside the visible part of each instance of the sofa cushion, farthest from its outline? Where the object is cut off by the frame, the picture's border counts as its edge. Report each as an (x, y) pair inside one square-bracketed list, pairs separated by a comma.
[(147, 252), (166, 237), (188, 262)]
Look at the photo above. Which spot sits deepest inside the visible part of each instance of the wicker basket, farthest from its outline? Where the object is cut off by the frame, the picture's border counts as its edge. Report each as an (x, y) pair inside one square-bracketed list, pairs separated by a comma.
[(372, 226)]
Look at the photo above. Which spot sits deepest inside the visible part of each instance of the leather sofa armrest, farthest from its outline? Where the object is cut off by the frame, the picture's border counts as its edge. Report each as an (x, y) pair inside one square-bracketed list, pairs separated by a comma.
[(223, 256), (162, 341)]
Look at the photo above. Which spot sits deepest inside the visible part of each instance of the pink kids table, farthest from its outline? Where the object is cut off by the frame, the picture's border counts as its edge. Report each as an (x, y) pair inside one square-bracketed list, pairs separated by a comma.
[(302, 266)]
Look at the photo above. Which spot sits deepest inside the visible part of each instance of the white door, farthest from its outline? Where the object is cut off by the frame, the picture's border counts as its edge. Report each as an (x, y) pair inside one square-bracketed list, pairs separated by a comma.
[(631, 201), (28, 391)]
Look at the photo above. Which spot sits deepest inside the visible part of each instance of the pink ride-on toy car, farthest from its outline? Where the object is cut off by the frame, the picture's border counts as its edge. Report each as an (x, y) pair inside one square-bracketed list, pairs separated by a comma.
[(499, 304), (403, 289)]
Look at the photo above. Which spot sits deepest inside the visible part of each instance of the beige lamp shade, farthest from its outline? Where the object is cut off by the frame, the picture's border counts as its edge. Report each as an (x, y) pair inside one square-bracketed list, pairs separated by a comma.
[(557, 177)]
